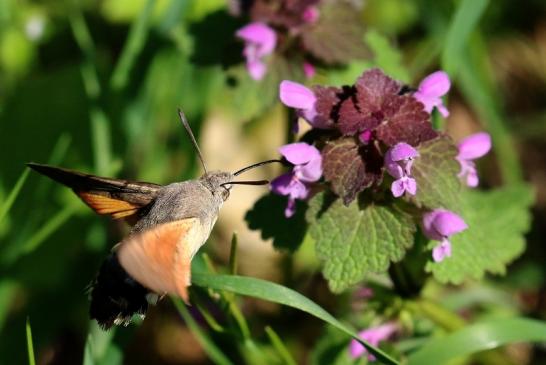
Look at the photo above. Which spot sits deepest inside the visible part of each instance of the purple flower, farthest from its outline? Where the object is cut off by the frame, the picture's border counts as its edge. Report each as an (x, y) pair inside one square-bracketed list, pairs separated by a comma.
[(439, 225), (373, 336), (471, 148), (301, 98), (398, 161), (307, 163), (260, 41), (431, 90)]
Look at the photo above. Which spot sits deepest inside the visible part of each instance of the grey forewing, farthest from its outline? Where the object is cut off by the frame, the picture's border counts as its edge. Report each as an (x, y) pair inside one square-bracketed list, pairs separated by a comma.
[(188, 199)]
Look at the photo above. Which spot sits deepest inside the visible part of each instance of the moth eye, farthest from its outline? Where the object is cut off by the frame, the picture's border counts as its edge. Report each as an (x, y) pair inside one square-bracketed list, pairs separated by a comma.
[(225, 194)]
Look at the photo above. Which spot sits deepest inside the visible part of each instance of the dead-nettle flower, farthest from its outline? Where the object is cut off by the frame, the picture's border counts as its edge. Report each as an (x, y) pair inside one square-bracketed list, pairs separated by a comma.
[(260, 41), (307, 169), (373, 336), (303, 99), (471, 148), (431, 90), (439, 225), (398, 161)]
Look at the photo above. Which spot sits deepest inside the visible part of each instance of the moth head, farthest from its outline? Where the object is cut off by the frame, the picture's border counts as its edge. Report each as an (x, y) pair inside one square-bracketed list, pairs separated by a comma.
[(218, 182)]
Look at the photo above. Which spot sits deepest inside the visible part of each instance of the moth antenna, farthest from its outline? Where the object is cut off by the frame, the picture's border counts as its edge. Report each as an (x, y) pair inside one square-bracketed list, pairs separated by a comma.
[(246, 182), (190, 133), (253, 166)]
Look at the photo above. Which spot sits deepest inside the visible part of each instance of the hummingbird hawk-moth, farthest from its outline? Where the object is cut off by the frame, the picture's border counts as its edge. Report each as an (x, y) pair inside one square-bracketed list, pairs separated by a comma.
[(169, 225)]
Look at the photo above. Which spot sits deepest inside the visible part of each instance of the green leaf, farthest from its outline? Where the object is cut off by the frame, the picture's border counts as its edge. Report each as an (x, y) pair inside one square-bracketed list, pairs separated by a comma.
[(267, 215), (479, 337), (463, 23), (435, 171), (497, 221), (279, 294), (355, 240)]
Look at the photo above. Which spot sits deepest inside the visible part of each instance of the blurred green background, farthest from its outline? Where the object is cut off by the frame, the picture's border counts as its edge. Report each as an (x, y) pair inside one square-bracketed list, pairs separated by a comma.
[(94, 86)]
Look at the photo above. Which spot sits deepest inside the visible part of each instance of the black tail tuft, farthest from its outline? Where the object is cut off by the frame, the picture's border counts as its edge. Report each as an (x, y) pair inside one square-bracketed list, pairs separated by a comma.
[(115, 296)]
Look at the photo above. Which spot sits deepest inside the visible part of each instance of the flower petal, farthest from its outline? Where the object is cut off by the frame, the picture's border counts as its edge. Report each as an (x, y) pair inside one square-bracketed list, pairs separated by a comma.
[(281, 184), (395, 170), (311, 171), (472, 179), (261, 35), (402, 151), (398, 188), (441, 251), (356, 349), (299, 153), (290, 208), (436, 84), (428, 228), (474, 146), (256, 69), (442, 109), (411, 185), (448, 223), (373, 336), (295, 95)]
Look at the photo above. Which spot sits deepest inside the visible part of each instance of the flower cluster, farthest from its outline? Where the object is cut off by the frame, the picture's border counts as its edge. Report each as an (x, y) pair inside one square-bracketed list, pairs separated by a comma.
[(307, 169), (372, 126), (297, 32), (368, 136)]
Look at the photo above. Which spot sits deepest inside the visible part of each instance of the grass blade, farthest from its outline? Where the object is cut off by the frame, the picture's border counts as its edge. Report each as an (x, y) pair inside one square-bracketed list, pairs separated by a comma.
[(48, 228), (133, 46), (479, 337), (30, 345), (279, 294), (4, 209), (463, 23), (210, 348), (279, 346)]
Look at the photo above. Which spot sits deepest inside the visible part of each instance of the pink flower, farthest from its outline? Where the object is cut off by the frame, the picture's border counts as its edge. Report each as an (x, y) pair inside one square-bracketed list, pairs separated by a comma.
[(439, 225), (431, 90), (307, 163), (398, 162), (471, 148), (373, 336), (301, 98), (260, 41)]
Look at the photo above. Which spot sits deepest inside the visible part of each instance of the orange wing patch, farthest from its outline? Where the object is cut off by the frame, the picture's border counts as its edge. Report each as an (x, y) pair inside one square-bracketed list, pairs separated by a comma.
[(105, 205), (160, 258)]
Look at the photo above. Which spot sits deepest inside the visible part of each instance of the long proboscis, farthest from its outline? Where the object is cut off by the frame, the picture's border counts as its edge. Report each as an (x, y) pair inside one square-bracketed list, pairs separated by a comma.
[(192, 138), (253, 166), (247, 182)]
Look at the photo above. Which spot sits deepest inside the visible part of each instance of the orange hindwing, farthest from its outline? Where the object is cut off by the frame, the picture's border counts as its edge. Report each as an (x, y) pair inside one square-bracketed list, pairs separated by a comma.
[(160, 258)]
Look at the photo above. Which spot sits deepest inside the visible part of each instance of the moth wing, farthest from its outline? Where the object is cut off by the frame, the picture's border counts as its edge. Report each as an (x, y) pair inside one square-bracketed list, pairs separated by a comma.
[(116, 197), (160, 258)]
